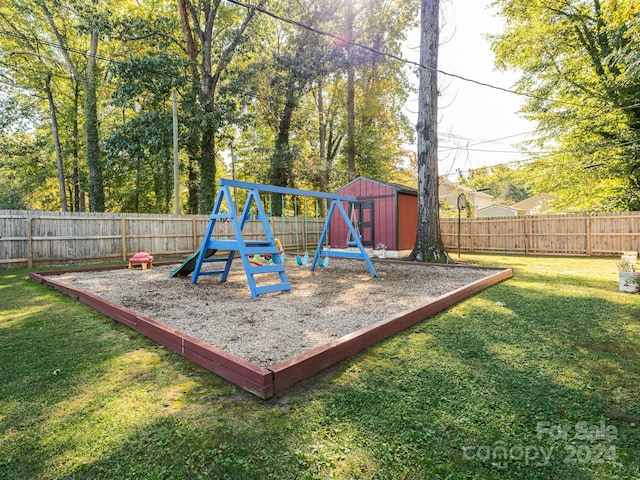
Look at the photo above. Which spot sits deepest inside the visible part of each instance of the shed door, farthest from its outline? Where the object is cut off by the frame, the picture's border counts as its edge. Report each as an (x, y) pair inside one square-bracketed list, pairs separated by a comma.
[(363, 212)]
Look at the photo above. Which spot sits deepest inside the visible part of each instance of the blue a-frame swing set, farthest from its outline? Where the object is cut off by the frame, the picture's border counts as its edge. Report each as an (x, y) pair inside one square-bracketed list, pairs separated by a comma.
[(248, 248)]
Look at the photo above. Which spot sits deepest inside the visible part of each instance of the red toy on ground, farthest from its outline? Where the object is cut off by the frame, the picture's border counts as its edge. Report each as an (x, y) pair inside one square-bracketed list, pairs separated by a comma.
[(143, 258)]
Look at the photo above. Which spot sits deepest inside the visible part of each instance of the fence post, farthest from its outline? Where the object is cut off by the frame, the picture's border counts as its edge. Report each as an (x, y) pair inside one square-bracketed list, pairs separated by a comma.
[(29, 242), (194, 228), (527, 236), (124, 238), (589, 239), (472, 247)]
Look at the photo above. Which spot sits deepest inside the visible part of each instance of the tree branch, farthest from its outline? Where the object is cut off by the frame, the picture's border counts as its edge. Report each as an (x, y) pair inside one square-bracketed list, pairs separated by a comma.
[(63, 48), (226, 54), (39, 56)]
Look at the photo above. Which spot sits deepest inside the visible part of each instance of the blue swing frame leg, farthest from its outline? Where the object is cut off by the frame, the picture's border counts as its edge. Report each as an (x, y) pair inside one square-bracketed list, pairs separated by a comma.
[(245, 248), (362, 254)]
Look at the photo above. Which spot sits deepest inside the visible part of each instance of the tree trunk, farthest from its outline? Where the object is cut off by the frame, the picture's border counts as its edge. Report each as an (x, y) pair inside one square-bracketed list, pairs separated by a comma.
[(207, 161), (136, 195), (207, 191), (193, 181), (351, 120), (56, 142), (351, 100), (322, 138), (96, 188), (429, 246), (202, 68), (282, 159), (76, 150)]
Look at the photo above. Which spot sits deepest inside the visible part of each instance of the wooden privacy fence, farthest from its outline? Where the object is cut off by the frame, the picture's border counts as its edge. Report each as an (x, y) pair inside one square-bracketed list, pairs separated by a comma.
[(593, 235), (41, 238)]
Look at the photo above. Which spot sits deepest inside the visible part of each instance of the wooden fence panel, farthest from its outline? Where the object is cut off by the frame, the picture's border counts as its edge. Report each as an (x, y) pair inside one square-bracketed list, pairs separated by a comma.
[(35, 237), (615, 233), (598, 234), (56, 237), (14, 235), (507, 235), (557, 234), (169, 235), (40, 238)]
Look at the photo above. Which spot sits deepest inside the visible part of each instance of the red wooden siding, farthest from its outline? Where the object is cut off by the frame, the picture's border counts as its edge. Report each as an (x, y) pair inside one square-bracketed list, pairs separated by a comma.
[(385, 213), (407, 221), (384, 198)]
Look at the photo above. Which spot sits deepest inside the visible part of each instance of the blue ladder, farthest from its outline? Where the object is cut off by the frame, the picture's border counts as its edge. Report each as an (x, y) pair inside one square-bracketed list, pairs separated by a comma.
[(245, 248)]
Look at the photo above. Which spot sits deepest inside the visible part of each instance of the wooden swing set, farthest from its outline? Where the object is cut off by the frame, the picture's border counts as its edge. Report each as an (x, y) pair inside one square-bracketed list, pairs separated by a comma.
[(248, 248)]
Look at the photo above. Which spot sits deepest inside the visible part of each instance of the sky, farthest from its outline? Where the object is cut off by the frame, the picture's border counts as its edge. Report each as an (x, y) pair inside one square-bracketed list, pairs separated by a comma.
[(470, 113)]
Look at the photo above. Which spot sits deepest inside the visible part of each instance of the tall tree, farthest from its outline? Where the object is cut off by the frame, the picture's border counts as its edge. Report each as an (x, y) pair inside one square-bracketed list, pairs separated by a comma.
[(56, 141), (376, 87), (35, 76), (301, 61), (429, 246), (91, 20), (351, 94), (579, 66), (138, 141), (199, 19)]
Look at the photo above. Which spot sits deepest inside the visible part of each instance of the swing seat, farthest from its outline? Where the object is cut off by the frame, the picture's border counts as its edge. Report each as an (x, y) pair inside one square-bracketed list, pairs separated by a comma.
[(302, 260), (278, 258), (352, 244), (323, 263)]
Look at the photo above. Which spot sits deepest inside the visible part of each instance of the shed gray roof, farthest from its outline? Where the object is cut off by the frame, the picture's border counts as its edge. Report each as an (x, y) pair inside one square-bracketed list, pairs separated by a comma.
[(396, 186)]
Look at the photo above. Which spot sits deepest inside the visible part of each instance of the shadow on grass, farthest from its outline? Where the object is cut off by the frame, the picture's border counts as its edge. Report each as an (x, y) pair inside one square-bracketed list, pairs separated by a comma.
[(184, 447), (67, 374), (447, 399), (481, 377)]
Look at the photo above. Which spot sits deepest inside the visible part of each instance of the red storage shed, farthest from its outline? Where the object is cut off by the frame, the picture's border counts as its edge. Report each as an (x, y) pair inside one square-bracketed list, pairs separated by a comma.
[(386, 213)]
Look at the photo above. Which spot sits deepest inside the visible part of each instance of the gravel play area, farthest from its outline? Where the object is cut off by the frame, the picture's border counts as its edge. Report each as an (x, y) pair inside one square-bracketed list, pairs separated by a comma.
[(321, 306)]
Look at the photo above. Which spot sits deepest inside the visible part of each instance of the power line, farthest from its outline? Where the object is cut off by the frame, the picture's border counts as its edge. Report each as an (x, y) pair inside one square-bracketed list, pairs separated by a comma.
[(371, 49), (549, 155), (320, 32), (396, 57), (482, 142)]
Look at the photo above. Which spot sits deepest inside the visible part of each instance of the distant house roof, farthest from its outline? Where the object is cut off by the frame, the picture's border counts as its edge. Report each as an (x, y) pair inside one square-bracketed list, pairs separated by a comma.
[(448, 192), (540, 204), (499, 211), (396, 186)]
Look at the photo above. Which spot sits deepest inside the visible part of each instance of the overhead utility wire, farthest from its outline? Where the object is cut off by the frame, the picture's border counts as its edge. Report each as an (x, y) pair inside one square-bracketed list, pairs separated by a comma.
[(543, 156), (583, 149), (482, 142), (346, 41), (336, 37)]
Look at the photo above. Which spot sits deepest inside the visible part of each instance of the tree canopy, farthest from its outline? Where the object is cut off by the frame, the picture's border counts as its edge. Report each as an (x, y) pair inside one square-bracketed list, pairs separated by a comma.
[(580, 72), (87, 87)]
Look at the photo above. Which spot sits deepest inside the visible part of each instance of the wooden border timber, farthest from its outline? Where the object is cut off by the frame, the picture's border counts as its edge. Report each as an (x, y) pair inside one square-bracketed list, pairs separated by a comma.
[(260, 381), (230, 367), (309, 363)]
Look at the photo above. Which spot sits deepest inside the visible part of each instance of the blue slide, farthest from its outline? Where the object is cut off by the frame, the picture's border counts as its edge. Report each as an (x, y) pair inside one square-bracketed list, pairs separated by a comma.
[(189, 264)]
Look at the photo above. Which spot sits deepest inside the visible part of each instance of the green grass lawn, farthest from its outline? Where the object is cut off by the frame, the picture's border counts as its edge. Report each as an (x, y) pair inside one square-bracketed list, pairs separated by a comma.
[(537, 377)]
